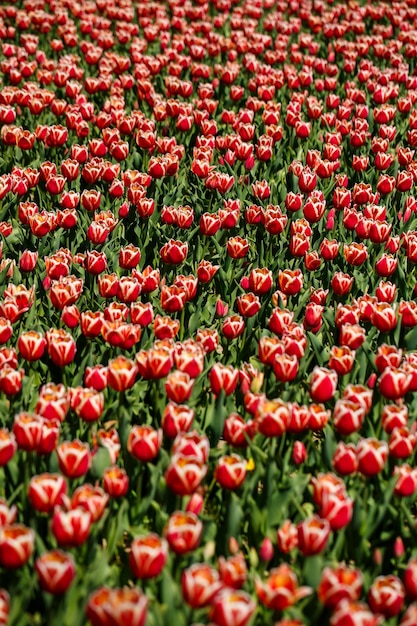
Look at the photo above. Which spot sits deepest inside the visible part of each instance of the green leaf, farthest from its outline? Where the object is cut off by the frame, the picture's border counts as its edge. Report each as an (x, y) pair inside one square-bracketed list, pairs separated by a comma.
[(101, 460)]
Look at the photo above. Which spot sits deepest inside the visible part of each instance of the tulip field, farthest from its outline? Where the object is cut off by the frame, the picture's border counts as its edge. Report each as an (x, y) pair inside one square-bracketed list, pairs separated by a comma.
[(208, 313)]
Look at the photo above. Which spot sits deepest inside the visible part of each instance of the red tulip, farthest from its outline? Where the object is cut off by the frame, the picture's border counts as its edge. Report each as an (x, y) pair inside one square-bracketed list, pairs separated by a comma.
[(280, 590), (323, 384), (125, 606), (200, 583), (183, 532), (339, 583), (16, 545), (386, 595), (230, 471), (313, 534), (74, 458), (55, 571), (148, 556), (46, 491), (372, 456)]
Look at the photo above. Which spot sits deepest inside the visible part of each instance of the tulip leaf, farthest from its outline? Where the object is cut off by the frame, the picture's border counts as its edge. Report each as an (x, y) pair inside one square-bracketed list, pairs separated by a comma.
[(101, 460), (312, 569), (410, 339)]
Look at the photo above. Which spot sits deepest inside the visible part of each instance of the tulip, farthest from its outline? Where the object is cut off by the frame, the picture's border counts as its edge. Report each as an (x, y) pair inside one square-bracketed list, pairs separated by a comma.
[(184, 474), (127, 606), (46, 491), (200, 583), (372, 456), (280, 590), (148, 556), (386, 595), (92, 499), (347, 613), (339, 583), (144, 442), (345, 460), (183, 532), (74, 458), (323, 384), (121, 373), (16, 545), (232, 608), (272, 417), (55, 571), (230, 471)]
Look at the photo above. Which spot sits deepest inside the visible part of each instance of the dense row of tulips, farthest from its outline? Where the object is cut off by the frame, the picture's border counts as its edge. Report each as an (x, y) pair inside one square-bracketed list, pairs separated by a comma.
[(208, 315)]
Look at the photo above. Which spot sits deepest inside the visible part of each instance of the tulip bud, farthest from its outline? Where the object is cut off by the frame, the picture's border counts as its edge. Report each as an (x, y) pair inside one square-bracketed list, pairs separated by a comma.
[(299, 453), (221, 308), (266, 550), (399, 547)]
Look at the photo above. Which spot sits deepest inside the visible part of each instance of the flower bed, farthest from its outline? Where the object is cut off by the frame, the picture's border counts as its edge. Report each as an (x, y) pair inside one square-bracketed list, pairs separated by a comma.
[(208, 358)]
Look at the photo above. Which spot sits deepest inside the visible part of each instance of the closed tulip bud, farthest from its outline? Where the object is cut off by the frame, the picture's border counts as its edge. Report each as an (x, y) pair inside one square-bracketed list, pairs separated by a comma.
[(28, 261), (399, 549), (222, 308), (299, 453)]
